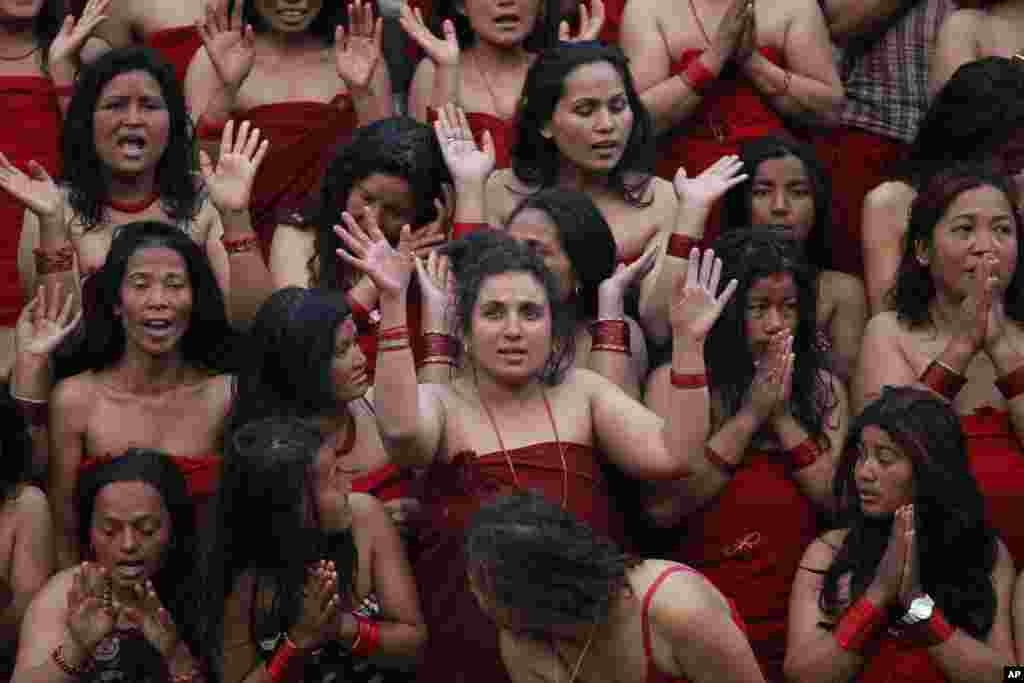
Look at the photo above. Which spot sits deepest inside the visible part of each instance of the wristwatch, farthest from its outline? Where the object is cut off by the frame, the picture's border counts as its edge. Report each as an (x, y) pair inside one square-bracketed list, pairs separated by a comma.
[(920, 610)]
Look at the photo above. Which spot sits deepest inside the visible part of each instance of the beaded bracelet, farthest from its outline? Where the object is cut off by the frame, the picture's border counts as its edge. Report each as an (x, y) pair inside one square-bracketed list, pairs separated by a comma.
[(680, 246), (943, 379), (58, 260), (393, 339), (439, 348), (859, 624), (1011, 385), (610, 335)]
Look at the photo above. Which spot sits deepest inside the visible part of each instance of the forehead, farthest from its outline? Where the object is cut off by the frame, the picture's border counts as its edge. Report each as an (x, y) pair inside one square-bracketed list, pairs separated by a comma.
[(785, 169), (387, 186), (511, 287), (875, 436), (599, 80), (127, 500), (777, 286), (985, 199), (155, 258), (533, 224), (137, 82)]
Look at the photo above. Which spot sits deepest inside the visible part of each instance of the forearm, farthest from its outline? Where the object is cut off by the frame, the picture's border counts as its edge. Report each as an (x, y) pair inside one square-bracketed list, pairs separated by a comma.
[(251, 280), (965, 659), (218, 110), (814, 479), (821, 660), (49, 671), (396, 394), (470, 201), (376, 101), (611, 344), (798, 96), (63, 76), (672, 101), (31, 378), (1008, 358), (441, 351), (446, 86)]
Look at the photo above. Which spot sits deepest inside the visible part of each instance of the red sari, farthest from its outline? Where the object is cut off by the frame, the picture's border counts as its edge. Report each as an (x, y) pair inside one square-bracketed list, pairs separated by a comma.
[(303, 137), (29, 107), (997, 461), (178, 45), (463, 642), (896, 660), (748, 541), (732, 112)]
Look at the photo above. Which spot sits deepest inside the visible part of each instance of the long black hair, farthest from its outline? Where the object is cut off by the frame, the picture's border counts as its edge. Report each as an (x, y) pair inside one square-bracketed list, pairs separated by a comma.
[(45, 27), (747, 256), (265, 525), (536, 160), (738, 200), (15, 446), (88, 186), (585, 237), (481, 255), (914, 289), (292, 347), (957, 548), (398, 146), (208, 343)]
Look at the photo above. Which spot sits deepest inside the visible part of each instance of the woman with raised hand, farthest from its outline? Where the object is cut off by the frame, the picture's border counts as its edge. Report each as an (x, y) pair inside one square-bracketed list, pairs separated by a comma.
[(717, 72), (567, 603), (307, 75), (915, 585), (302, 579), (958, 328), (128, 157), (126, 612), (788, 187), (772, 418), (481, 435)]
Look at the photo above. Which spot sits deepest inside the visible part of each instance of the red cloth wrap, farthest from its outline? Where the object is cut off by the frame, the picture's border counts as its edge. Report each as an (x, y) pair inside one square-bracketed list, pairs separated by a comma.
[(178, 45), (28, 105), (733, 107), (503, 133), (463, 645), (858, 161), (385, 483), (997, 462), (303, 137), (202, 473), (749, 541)]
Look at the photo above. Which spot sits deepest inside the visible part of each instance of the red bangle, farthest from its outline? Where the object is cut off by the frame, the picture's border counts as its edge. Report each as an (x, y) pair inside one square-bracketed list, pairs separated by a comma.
[(680, 246), (58, 260), (207, 129), (368, 638), (439, 348), (688, 380), (610, 335), (463, 228), (393, 339), (943, 379), (859, 624), (241, 245), (718, 461), (698, 76), (804, 454), (286, 656), (1011, 385)]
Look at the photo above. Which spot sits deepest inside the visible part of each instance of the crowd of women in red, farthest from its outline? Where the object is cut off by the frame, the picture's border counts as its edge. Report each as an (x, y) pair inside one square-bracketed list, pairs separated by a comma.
[(657, 342)]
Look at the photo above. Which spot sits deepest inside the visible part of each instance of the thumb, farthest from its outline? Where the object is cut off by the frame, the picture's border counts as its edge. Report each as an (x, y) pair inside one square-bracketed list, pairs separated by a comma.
[(563, 30), (205, 164), (488, 143), (68, 25)]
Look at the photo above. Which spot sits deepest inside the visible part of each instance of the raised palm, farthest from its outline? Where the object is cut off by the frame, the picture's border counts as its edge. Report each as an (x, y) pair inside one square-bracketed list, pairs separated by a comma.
[(388, 267), (590, 24), (73, 34), (152, 619), (467, 162), (697, 304), (442, 51), (358, 52), (437, 288), (44, 322), (91, 615), (36, 190), (230, 44), (230, 180), (708, 187)]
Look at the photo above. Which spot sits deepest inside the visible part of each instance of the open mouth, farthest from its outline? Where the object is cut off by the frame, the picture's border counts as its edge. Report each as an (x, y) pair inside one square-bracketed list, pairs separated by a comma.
[(131, 571), (158, 328), (507, 21), (132, 145), (292, 16)]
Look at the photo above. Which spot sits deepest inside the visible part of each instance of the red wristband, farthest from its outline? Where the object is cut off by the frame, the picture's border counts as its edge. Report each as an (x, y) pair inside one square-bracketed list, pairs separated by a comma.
[(680, 246), (718, 461), (284, 661), (241, 245), (688, 380), (610, 335), (368, 638), (943, 379), (861, 621), (207, 129), (698, 76), (1011, 385), (462, 228), (439, 348), (804, 454)]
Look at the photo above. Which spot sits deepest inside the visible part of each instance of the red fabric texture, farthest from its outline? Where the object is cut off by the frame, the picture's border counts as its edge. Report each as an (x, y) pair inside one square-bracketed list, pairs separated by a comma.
[(858, 162), (384, 483), (178, 45), (748, 541), (654, 675), (889, 659), (997, 462), (29, 106), (732, 111), (303, 137), (463, 642)]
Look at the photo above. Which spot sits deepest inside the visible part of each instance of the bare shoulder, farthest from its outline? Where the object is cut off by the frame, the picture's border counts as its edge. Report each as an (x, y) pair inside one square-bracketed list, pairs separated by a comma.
[(683, 596), (77, 392), (968, 19), (842, 285), (29, 501), (885, 325), (891, 194)]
